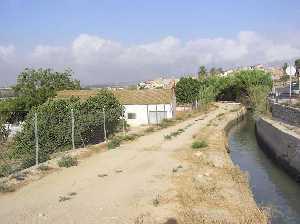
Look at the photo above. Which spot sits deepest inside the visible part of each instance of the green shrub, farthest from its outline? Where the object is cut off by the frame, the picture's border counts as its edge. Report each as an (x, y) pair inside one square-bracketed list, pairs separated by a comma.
[(5, 188), (54, 126), (199, 144), (130, 137), (114, 142), (67, 161), (168, 137), (166, 123), (43, 167), (5, 170), (150, 129)]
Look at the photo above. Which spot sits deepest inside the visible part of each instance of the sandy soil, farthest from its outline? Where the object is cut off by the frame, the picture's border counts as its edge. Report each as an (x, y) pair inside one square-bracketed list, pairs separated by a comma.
[(150, 180)]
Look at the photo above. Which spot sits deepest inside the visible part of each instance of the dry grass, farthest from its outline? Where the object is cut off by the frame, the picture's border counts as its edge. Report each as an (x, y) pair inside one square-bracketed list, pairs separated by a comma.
[(213, 190)]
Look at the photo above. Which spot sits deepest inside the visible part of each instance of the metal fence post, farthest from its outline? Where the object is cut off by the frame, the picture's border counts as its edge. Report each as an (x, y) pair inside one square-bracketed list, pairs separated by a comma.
[(104, 125), (36, 140), (73, 128), (123, 123)]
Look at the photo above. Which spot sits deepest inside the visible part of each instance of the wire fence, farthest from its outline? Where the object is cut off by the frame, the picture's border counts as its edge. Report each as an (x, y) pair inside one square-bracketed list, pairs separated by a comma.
[(38, 139)]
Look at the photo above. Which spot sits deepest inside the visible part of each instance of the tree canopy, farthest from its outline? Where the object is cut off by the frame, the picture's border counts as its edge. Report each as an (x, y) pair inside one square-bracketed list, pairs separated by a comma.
[(34, 87), (202, 73), (54, 125)]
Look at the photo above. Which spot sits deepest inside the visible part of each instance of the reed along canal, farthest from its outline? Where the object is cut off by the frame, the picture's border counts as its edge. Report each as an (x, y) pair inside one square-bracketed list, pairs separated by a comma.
[(271, 186)]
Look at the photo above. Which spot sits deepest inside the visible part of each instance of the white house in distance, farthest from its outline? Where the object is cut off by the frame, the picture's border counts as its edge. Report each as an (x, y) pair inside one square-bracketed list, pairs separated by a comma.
[(142, 107)]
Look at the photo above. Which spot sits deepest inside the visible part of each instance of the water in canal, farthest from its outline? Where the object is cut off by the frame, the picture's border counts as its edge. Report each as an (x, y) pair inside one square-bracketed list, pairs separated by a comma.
[(271, 186)]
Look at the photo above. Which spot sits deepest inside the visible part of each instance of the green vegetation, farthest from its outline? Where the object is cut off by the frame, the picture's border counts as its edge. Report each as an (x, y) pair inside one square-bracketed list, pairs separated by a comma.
[(167, 137), (174, 134), (202, 73), (5, 169), (117, 140), (199, 144), (33, 88), (54, 125), (150, 129), (6, 188), (114, 142), (67, 161), (166, 123), (237, 87)]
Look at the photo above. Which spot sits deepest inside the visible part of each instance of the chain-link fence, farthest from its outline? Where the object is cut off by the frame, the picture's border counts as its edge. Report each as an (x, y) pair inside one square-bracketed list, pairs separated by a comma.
[(45, 133)]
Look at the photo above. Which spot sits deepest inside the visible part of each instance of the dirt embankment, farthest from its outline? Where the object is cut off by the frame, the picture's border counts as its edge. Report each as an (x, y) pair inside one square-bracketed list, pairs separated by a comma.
[(213, 189), (157, 178)]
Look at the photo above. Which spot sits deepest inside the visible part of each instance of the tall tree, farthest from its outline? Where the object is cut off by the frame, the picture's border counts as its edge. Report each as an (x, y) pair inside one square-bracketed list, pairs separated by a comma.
[(187, 90), (213, 71), (202, 73), (34, 87), (297, 65), (285, 65)]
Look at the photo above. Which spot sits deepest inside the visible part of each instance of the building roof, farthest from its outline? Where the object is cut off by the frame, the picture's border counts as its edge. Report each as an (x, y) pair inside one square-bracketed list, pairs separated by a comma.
[(126, 97)]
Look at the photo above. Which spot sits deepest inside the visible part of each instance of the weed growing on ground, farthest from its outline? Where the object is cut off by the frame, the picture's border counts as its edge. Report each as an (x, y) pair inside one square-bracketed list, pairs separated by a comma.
[(156, 200), (174, 134), (199, 144), (168, 137), (5, 170), (166, 123), (150, 129), (5, 188), (114, 143), (233, 110), (64, 198), (221, 114), (43, 167), (67, 161)]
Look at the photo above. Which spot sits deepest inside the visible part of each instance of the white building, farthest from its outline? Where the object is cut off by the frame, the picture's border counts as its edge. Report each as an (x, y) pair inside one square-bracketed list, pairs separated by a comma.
[(143, 107)]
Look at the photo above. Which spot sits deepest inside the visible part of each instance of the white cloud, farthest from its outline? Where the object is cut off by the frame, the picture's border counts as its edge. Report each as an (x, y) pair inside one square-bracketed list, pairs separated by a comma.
[(98, 60), (7, 52)]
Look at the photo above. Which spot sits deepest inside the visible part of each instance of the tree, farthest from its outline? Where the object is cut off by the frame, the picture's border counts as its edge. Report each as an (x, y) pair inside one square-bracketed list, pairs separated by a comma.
[(54, 125), (285, 65), (187, 90), (213, 71), (202, 73), (34, 87), (297, 65)]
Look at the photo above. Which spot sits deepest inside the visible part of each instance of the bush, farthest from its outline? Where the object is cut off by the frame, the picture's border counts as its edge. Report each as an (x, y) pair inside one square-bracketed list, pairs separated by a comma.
[(67, 161), (114, 142), (54, 126), (166, 123), (199, 144), (167, 137), (5, 188), (130, 137), (5, 170), (150, 129)]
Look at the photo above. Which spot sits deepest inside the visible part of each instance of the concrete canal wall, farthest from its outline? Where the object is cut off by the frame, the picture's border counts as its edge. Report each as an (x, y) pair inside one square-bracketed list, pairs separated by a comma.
[(281, 143), (290, 115)]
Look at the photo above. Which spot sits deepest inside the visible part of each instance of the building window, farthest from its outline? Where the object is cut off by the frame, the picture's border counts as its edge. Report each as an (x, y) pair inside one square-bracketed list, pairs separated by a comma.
[(131, 115)]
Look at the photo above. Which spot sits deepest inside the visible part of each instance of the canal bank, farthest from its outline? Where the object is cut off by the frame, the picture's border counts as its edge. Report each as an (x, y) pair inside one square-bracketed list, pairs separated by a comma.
[(271, 186), (281, 142), (211, 188)]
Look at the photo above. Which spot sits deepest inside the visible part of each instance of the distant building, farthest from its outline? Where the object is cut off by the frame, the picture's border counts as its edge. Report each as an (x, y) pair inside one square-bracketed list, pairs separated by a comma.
[(142, 107), (159, 83), (6, 93)]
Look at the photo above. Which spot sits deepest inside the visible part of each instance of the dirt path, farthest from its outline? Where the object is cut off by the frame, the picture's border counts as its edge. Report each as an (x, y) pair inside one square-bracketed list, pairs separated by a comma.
[(131, 184)]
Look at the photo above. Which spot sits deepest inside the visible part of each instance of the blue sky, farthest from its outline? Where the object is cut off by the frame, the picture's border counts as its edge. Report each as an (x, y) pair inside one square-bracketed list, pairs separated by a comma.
[(59, 23)]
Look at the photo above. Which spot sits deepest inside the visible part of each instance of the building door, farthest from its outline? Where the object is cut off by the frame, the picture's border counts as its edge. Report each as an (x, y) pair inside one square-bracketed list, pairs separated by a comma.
[(156, 117)]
